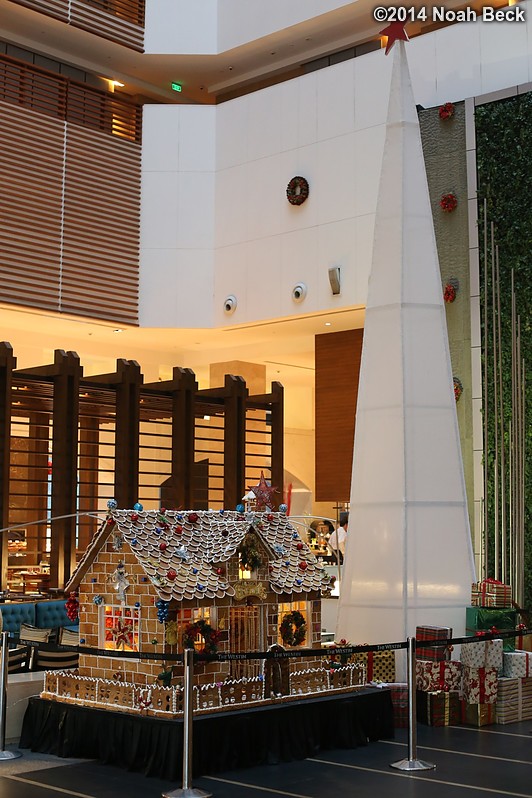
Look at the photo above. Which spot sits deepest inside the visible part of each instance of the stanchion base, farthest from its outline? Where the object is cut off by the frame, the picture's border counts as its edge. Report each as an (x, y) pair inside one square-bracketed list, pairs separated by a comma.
[(412, 764), (5, 755), (187, 792)]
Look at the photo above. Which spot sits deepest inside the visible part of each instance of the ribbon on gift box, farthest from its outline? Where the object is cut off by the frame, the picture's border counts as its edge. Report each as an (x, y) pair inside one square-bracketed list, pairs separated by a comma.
[(521, 628)]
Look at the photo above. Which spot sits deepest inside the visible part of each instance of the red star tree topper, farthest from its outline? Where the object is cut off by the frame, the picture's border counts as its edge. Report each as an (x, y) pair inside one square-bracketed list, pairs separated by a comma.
[(394, 31), (263, 492)]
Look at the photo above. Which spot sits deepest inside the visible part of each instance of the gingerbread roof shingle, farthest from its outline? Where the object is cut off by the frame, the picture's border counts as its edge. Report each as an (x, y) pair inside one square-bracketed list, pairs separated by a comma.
[(182, 551)]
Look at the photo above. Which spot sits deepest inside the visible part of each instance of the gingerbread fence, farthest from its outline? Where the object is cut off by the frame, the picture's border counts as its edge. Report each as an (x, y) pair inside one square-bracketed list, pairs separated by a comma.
[(168, 702)]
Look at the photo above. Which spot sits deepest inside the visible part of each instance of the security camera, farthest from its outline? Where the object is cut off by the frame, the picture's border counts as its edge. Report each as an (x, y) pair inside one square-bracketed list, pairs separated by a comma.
[(230, 304), (299, 292)]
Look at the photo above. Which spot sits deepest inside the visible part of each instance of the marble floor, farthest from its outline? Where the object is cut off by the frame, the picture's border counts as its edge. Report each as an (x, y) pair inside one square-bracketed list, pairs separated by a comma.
[(491, 761)]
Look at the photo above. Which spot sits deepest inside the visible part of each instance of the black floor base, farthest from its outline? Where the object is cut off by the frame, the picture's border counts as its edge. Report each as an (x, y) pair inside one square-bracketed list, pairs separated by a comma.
[(222, 741)]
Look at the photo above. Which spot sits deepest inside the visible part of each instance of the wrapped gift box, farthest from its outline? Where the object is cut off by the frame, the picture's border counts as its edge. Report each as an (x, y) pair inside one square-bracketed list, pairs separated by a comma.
[(479, 685), (399, 691), (441, 708), (433, 633), (491, 593), (485, 618), (477, 714), (380, 665), (483, 654), (523, 642), (433, 676), (517, 664), (514, 700)]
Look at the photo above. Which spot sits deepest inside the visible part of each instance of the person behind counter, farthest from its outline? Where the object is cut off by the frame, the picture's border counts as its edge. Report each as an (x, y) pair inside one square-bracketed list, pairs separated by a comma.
[(338, 537)]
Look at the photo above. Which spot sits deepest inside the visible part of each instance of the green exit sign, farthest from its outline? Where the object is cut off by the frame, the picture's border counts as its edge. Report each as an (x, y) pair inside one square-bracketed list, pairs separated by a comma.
[(177, 87)]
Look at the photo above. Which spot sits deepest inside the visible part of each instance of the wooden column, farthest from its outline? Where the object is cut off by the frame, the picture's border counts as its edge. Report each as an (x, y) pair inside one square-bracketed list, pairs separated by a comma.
[(127, 432), (7, 364), (64, 374), (64, 464), (89, 436), (234, 440), (277, 421), (182, 389)]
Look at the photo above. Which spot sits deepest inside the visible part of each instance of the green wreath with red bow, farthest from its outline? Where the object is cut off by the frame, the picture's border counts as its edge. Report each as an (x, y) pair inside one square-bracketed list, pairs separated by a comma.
[(293, 629), (210, 636)]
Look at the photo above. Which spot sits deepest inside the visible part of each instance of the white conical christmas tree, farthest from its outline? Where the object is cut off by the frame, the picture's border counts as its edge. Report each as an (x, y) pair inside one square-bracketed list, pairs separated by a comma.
[(409, 557)]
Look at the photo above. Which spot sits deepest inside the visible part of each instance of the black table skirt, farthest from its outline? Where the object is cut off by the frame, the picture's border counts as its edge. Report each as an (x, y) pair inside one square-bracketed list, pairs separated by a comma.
[(222, 741)]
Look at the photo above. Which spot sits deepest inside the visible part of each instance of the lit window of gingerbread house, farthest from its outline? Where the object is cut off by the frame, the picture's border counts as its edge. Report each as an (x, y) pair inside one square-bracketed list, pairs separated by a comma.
[(157, 582)]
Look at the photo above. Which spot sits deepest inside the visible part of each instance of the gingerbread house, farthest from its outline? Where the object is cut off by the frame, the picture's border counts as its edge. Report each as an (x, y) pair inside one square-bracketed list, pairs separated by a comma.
[(228, 581)]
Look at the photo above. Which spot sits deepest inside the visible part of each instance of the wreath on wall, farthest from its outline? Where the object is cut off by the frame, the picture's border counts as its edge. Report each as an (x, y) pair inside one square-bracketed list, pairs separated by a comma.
[(293, 629), (449, 293), (297, 190), (250, 557), (210, 635), (448, 202), (446, 111)]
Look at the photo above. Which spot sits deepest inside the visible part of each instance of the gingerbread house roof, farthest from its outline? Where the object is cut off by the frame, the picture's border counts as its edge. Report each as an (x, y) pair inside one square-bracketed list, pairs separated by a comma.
[(182, 552)]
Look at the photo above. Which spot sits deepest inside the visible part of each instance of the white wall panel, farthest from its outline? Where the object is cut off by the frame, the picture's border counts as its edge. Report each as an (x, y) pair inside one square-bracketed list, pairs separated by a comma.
[(457, 75), (195, 210), (264, 123), (229, 279), (181, 26), (264, 189), (232, 133), (289, 114), (197, 140), (504, 54), (335, 89), (336, 179), (160, 199), (337, 246), (160, 134), (307, 110), (299, 263), (232, 195)]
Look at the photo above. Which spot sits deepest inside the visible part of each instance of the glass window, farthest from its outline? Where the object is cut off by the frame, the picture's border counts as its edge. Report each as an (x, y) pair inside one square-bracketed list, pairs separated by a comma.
[(119, 627)]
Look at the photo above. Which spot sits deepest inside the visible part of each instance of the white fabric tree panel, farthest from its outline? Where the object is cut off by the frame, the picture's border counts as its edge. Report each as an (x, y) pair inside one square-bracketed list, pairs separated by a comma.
[(409, 558)]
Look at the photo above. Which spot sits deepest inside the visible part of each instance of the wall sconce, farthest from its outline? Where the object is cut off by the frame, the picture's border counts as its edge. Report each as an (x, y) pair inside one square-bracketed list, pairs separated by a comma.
[(334, 279)]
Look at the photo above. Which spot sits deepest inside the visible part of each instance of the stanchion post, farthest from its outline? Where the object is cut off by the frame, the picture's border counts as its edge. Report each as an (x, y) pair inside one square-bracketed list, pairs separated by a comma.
[(412, 762), (4, 755), (187, 791)]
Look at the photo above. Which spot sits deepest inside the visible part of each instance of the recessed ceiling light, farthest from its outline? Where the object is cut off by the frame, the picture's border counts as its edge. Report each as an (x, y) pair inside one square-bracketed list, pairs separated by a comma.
[(327, 323), (118, 330)]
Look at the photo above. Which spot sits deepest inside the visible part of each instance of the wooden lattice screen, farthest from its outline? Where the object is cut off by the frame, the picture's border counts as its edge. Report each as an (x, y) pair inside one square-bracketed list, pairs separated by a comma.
[(68, 444)]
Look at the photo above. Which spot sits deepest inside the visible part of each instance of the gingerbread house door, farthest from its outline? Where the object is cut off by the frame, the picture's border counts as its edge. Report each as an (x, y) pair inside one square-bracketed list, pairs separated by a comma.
[(246, 633)]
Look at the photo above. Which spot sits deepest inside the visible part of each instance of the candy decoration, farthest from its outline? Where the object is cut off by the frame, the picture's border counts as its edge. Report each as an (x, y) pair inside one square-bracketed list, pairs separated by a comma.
[(283, 508), (112, 504), (72, 607), (171, 574), (192, 517), (138, 507), (240, 508), (110, 522), (163, 546), (303, 565), (299, 546), (134, 517), (270, 517), (178, 529), (162, 610), (97, 600)]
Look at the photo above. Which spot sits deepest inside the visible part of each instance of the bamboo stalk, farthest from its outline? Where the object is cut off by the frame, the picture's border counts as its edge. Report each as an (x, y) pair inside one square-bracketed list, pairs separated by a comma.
[(513, 559), (496, 554), (485, 563), (504, 567)]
